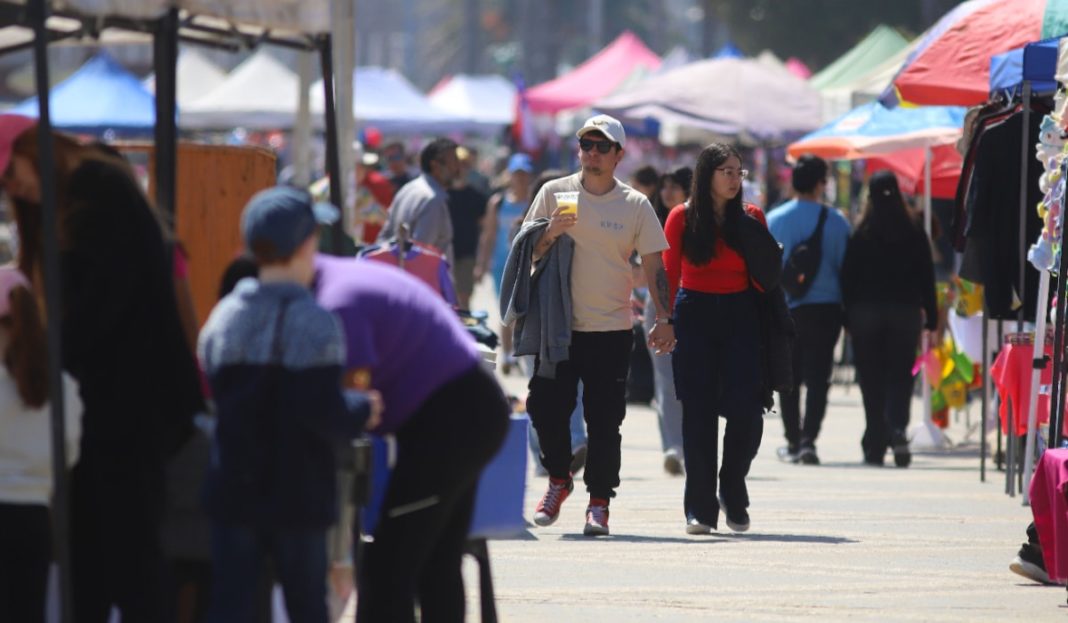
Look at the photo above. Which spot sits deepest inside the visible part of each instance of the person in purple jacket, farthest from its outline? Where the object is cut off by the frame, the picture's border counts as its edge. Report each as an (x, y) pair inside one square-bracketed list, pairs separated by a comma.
[(449, 417)]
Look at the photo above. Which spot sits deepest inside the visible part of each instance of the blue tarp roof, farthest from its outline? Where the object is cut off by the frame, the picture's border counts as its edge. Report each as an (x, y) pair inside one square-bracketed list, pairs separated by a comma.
[(1036, 62), (100, 96)]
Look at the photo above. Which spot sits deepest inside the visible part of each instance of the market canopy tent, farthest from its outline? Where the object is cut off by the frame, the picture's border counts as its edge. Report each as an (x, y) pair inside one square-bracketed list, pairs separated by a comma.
[(727, 96), (874, 129), (197, 76), (1035, 62), (386, 100), (951, 66), (100, 96), (489, 100), (260, 93), (598, 77), (880, 44), (897, 139)]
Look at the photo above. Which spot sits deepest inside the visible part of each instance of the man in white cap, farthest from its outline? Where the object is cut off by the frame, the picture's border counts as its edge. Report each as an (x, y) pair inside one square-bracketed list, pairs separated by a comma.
[(612, 222)]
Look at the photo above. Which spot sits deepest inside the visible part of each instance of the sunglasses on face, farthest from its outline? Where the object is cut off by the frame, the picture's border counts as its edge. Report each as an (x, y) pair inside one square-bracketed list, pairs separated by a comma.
[(603, 147)]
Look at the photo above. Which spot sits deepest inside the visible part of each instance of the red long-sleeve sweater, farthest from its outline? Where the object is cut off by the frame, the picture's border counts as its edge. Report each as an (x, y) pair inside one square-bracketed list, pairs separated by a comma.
[(726, 273)]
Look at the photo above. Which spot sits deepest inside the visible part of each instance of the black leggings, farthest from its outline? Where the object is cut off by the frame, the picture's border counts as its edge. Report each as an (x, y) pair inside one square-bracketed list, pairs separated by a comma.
[(25, 555), (419, 541)]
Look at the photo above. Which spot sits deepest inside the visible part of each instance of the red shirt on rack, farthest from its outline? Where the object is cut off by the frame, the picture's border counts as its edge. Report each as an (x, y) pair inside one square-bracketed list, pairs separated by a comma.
[(726, 273)]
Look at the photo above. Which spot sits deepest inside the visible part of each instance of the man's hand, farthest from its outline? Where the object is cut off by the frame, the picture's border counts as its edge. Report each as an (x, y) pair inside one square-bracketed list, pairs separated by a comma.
[(558, 224), (662, 339), (377, 407)]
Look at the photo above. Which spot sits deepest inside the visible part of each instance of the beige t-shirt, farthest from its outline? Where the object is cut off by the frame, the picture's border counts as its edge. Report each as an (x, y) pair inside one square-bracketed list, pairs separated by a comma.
[(609, 229)]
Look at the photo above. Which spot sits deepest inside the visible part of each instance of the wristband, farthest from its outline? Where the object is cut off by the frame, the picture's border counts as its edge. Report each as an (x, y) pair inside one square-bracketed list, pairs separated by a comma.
[(665, 321)]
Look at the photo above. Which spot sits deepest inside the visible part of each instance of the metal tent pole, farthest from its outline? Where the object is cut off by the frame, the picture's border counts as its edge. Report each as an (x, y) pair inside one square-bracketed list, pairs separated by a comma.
[(37, 11), (1056, 411), (986, 401), (926, 434), (333, 164), (165, 59), (1038, 364)]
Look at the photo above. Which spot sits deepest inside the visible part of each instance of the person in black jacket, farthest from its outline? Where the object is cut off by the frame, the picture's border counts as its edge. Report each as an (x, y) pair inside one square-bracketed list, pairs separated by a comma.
[(888, 289), (123, 342)]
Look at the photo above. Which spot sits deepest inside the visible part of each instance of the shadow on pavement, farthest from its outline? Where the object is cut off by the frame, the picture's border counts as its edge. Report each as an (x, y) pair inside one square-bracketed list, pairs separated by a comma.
[(721, 537), (632, 538)]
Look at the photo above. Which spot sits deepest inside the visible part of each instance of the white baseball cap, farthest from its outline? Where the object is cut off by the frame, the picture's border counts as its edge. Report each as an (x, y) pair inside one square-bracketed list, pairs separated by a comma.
[(609, 126)]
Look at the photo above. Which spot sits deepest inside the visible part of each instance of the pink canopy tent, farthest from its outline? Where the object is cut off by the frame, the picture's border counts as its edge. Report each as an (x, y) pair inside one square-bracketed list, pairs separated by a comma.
[(598, 77)]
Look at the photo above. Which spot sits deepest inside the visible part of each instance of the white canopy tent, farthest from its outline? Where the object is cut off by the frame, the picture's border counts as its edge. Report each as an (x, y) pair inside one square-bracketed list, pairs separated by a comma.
[(260, 93), (488, 99), (197, 76), (386, 100)]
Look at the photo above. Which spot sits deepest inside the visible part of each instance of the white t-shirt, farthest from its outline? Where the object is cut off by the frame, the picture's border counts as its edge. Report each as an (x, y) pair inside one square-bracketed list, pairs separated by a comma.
[(609, 229), (26, 442)]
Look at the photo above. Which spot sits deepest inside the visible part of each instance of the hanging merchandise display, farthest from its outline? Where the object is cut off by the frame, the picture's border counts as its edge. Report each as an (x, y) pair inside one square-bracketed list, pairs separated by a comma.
[(1044, 254)]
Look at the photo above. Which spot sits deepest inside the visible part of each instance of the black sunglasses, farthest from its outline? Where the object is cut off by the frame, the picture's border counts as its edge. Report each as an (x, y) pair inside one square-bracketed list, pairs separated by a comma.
[(603, 147)]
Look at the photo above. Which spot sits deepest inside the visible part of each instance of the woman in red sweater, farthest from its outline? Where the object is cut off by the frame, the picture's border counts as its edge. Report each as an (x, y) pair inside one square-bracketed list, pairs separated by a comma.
[(717, 358)]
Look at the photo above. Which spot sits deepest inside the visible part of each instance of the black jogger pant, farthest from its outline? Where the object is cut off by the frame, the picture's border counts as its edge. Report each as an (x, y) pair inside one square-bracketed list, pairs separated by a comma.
[(601, 361)]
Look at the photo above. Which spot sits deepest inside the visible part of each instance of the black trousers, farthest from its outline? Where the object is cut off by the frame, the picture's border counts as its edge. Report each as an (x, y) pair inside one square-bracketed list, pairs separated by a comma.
[(718, 374), (601, 360), (25, 554), (116, 552), (818, 327), (884, 350), (419, 541)]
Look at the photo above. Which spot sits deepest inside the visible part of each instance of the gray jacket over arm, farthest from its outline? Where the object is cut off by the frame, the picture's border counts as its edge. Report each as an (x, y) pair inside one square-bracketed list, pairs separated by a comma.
[(539, 303)]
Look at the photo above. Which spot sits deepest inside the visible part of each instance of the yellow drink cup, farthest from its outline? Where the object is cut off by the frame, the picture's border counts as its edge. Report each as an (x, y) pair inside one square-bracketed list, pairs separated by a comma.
[(568, 202)]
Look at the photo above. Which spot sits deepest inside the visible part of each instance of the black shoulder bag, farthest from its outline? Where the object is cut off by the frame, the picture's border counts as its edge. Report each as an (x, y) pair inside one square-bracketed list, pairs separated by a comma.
[(803, 263)]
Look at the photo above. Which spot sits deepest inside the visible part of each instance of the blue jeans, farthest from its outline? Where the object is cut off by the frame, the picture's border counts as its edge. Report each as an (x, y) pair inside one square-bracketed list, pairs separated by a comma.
[(299, 558), (668, 407)]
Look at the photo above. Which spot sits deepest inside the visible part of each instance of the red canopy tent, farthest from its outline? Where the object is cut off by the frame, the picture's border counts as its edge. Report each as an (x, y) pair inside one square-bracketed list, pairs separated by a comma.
[(598, 77), (907, 164)]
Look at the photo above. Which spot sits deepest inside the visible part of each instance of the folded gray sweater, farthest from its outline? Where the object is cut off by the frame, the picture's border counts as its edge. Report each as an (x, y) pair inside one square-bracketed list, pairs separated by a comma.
[(538, 303)]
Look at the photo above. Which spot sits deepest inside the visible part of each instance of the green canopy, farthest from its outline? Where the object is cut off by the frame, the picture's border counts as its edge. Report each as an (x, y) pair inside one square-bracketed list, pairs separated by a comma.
[(872, 51)]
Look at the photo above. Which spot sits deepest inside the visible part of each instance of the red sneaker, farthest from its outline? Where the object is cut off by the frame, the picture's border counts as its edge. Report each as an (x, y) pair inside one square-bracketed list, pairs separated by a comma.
[(549, 506), (596, 518)]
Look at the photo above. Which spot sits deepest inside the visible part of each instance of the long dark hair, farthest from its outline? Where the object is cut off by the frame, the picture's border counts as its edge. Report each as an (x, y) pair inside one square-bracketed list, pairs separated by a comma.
[(26, 357), (701, 232), (885, 216), (683, 178)]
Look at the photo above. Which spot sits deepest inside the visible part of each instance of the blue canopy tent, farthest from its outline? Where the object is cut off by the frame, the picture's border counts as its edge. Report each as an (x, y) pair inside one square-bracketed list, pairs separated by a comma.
[(1035, 62), (100, 96)]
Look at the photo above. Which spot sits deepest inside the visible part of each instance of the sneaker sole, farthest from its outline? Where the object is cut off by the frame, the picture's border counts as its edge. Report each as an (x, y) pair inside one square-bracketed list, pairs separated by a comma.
[(544, 520), (737, 527), (1029, 570), (808, 459), (594, 531), (698, 529)]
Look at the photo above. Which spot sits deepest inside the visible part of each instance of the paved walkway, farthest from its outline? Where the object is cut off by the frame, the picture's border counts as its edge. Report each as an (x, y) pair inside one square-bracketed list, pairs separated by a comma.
[(837, 542)]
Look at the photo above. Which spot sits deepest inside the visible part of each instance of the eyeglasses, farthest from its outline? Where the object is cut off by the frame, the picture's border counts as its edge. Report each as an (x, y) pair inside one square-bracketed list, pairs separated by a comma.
[(603, 147), (733, 173)]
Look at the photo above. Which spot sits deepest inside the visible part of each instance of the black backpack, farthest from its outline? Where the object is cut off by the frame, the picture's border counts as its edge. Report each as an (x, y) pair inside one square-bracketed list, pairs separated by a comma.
[(803, 263)]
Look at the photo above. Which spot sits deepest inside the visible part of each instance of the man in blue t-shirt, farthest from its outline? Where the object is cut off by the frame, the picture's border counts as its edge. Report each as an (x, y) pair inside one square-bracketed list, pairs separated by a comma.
[(818, 314)]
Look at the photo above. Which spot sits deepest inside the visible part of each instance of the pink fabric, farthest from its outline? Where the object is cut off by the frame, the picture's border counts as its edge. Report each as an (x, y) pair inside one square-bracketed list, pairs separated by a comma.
[(1012, 378), (598, 77), (1049, 505)]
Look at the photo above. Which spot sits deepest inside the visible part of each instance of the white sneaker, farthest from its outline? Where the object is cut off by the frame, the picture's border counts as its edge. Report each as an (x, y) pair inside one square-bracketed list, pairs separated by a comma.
[(696, 527), (673, 462)]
